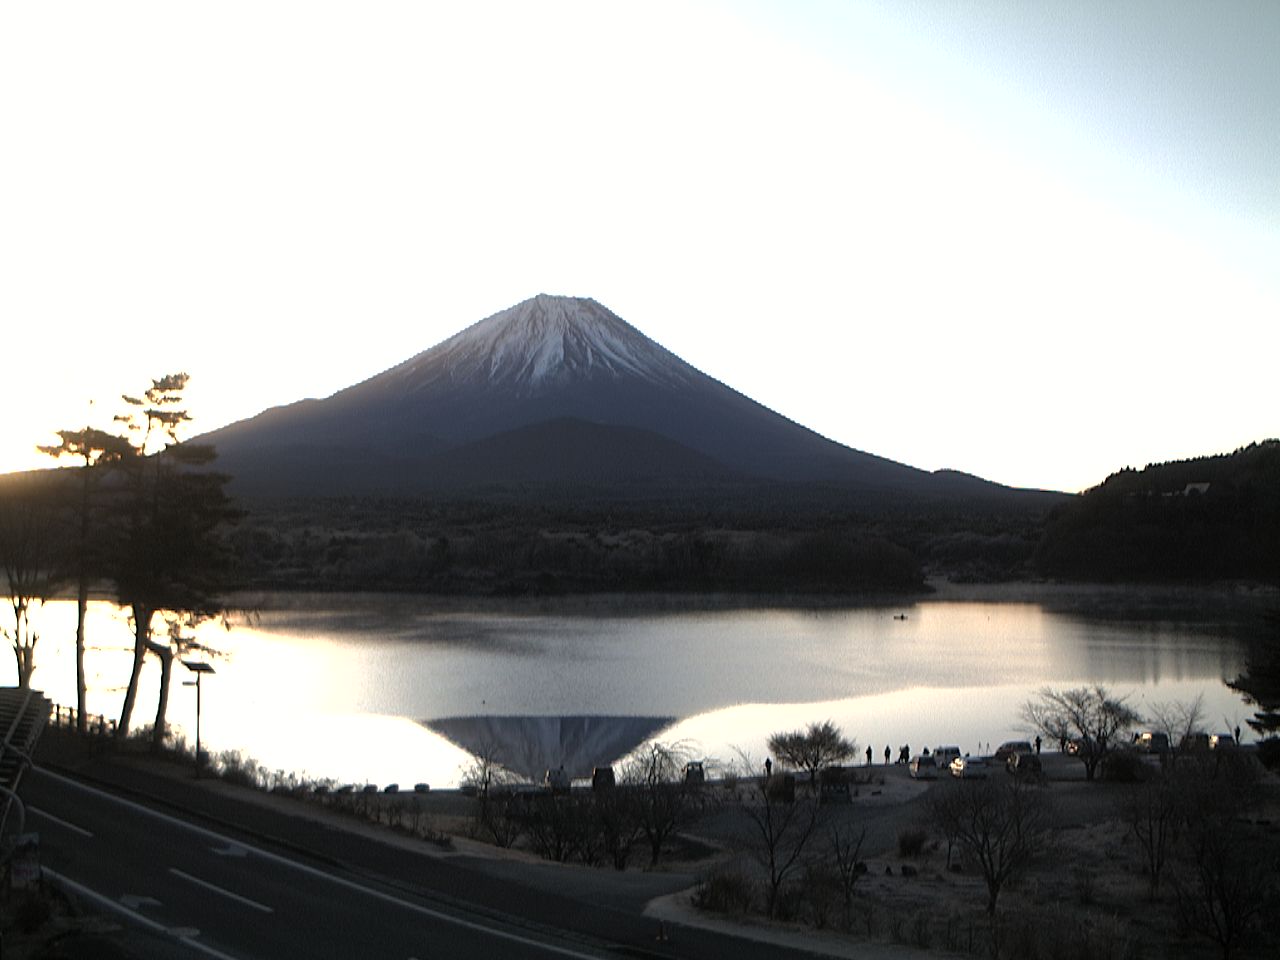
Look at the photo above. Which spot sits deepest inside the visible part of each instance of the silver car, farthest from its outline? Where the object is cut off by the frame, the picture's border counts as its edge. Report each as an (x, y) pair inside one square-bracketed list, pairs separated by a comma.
[(923, 768), (969, 768)]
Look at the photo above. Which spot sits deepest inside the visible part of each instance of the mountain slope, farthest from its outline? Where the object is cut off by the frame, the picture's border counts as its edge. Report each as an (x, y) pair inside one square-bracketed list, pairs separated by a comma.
[(546, 360)]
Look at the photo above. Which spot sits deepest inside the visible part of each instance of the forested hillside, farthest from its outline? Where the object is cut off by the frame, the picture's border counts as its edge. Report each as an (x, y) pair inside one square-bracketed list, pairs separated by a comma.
[(1211, 518)]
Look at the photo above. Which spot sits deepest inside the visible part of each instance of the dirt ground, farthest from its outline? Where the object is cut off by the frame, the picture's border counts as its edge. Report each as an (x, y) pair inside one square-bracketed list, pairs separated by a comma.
[(1087, 894)]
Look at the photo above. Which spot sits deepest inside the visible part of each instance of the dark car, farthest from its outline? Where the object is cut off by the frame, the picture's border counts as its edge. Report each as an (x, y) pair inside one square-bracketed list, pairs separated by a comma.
[(1151, 741), (1011, 748)]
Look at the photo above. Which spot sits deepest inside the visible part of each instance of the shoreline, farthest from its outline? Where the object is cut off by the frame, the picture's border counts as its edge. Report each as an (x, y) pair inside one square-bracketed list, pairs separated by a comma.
[(1056, 594)]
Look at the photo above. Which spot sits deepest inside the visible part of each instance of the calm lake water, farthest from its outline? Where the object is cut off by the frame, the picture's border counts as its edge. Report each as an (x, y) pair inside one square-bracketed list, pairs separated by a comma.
[(390, 689)]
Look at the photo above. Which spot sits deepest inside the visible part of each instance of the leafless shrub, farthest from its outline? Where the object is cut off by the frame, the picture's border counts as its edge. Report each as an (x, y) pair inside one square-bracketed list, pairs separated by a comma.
[(725, 891), (498, 819), (845, 851)]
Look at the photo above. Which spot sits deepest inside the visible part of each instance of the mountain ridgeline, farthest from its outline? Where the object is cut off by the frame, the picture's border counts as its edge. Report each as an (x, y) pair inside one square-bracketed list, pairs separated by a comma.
[(555, 394)]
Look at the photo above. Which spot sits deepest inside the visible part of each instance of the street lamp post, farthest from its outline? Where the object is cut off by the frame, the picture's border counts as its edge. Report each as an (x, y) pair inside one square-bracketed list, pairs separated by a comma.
[(199, 669)]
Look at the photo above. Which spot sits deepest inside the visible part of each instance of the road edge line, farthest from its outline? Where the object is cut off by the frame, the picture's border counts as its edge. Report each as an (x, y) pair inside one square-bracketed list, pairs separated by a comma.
[(133, 916)]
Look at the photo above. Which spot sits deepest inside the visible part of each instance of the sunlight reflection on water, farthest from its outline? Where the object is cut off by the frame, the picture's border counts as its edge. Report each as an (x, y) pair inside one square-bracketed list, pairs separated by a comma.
[(340, 687)]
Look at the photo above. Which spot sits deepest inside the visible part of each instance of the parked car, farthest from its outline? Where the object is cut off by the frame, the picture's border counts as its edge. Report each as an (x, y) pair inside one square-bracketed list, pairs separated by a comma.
[(1011, 747), (923, 768), (602, 778), (943, 756), (1221, 741), (969, 768), (1151, 741), (694, 774), (557, 781)]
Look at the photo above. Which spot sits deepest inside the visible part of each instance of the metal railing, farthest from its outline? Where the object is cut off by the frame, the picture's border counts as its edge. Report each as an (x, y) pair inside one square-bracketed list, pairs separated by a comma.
[(96, 725)]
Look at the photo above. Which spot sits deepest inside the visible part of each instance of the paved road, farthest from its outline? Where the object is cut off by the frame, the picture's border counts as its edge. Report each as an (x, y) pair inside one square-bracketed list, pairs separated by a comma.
[(223, 898), (222, 877)]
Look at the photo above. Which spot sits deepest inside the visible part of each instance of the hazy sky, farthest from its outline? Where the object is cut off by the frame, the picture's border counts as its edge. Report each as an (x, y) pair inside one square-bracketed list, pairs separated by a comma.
[(1034, 241)]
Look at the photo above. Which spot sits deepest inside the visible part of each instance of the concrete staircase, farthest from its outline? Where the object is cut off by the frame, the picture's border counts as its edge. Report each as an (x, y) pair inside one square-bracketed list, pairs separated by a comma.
[(23, 715)]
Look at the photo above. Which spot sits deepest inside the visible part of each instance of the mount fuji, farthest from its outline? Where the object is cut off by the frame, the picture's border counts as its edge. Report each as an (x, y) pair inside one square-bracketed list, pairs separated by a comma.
[(554, 391)]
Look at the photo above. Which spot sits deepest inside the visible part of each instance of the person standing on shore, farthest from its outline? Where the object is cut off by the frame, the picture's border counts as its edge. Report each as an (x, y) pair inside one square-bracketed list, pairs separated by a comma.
[(887, 754), (868, 756)]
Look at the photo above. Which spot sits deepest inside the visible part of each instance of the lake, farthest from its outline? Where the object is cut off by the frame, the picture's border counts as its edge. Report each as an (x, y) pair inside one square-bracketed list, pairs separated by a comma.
[(384, 689)]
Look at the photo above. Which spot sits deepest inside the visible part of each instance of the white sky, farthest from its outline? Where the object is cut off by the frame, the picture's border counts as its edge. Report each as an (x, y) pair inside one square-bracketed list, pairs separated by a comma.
[(1035, 242)]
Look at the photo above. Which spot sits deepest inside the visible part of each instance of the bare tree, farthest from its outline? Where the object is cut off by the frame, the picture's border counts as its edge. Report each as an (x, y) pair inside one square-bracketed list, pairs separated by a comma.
[(1227, 887), (486, 770), (1090, 718), (496, 813), (1153, 813), (846, 853), (1177, 720), (782, 832), (811, 749), (28, 552), (1002, 824), (619, 824), (653, 779)]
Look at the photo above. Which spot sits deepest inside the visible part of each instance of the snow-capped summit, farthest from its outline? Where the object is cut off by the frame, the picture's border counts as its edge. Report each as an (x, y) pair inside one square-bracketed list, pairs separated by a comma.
[(553, 392), (545, 341)]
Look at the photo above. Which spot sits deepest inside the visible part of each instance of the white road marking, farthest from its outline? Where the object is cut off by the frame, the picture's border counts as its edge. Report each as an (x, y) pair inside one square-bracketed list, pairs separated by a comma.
[(230, 850), (62, 823), (313, 871), (222, 890), (134, 902), (185, 935)]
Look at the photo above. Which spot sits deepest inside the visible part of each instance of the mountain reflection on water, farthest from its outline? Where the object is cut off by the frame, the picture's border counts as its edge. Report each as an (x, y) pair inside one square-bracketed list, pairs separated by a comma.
[(529, 746), (338, 687)]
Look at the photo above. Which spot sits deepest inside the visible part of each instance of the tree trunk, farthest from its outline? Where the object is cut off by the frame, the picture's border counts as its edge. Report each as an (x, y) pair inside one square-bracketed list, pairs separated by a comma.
[(82, 605), (24, 644), (82, 722), (26, 654), (158, 732), (141, 637)]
